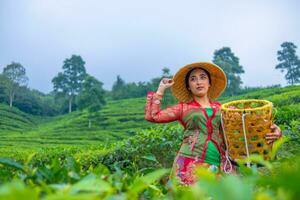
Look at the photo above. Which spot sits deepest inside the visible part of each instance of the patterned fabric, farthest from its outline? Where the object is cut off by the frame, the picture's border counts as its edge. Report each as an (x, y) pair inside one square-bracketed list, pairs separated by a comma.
[(212, 155), (199, 128), (184, 169)]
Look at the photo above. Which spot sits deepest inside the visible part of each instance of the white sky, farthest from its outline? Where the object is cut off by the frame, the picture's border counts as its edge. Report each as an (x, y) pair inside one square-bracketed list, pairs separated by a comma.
[(136, 39)]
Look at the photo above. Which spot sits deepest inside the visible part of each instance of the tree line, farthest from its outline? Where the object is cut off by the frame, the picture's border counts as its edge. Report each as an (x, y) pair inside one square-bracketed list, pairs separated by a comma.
[(71, 88), (229, 62), (75, 89)]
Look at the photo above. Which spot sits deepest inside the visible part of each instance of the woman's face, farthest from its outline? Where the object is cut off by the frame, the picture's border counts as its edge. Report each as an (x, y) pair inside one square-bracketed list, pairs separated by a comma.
[(199, 83)]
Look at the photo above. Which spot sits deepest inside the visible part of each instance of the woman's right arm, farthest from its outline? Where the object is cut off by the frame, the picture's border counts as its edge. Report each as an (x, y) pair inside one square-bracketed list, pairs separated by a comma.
[(153, 113)]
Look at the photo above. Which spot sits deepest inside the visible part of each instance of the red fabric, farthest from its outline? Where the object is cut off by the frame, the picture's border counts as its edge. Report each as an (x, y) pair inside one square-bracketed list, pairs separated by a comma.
[(185, 169), (176, 112), (154, 114)]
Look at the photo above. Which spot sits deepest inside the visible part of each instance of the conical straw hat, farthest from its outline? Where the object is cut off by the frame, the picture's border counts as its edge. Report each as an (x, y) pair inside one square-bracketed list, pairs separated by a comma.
[(217, 75)]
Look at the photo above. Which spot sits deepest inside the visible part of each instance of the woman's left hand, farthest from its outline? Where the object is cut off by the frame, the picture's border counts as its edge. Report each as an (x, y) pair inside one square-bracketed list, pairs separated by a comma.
[(275, 135)]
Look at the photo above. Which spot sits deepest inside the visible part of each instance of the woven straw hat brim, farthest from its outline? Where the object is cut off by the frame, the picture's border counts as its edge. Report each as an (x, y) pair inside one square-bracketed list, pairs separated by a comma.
[(218, 81)]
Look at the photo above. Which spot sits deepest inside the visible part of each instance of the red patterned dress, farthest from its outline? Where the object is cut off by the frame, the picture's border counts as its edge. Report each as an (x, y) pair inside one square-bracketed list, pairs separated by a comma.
[(203, 143)]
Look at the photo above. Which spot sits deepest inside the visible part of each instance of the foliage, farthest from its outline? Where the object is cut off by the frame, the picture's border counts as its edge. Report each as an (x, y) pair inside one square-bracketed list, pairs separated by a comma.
[(66, 178), (28, 100), (226, 59), (122, 90), (3, 95), (290, 62), (92, 94), (124, 157), (116, 121), (16, 77), (69, 82), (21, 133), (91, 97), (118, 89)]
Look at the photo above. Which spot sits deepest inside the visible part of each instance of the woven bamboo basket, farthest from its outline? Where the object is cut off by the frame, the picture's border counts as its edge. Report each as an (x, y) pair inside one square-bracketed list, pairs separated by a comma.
[(245, 124)]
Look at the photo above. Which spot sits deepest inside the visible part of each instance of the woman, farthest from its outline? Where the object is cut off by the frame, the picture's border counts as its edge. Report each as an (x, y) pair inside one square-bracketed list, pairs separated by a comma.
[(196, 86)]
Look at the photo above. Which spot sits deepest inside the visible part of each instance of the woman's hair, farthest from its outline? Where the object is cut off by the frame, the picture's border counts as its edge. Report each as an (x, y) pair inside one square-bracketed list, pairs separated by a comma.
[(189, 74)]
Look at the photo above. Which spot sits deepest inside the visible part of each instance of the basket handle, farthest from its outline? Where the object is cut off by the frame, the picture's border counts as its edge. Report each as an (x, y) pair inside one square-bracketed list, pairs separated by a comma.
[(227, 162), (245, 136)]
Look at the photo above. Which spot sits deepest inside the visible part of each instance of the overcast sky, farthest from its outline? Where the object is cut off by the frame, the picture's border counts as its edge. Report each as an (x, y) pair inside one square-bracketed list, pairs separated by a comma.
[(136, 39)]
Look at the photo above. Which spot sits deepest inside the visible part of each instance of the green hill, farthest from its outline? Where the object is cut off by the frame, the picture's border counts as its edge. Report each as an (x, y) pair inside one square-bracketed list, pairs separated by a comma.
[(22, 133), (12, 119), (116, 121)]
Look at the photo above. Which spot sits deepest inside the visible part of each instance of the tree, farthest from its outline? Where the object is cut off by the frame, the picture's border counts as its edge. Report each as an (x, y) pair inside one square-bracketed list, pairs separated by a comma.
[(91, 97), (28, 100), (166, 72), (16, 75), (118, 89), (155, 81), (289, 61), (153, 85), (122, 90), (69, 82), (3, 95), (226, 59)]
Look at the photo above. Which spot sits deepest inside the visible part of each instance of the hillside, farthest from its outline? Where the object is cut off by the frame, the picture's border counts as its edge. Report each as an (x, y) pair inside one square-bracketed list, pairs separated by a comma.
[(118, 120), (12, 119)]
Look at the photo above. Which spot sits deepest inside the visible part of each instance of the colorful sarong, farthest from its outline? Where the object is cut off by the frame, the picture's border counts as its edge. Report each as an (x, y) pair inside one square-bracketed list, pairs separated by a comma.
[(184, 169)]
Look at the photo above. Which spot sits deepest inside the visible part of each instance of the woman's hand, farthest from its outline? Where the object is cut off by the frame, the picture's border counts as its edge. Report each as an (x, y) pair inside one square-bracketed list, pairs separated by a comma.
[(163, 85), (275, 135)]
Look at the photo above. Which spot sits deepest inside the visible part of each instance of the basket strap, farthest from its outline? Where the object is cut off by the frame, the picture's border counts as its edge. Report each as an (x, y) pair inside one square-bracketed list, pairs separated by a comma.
[(227, 162), (245, 137)]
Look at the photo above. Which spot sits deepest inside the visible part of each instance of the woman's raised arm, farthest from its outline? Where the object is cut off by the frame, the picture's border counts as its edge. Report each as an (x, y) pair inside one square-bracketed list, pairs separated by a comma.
[(153, 113)]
